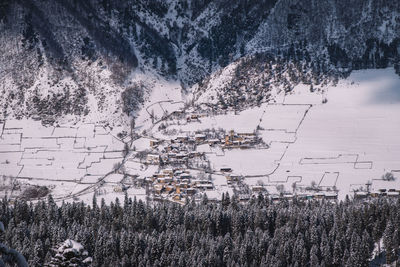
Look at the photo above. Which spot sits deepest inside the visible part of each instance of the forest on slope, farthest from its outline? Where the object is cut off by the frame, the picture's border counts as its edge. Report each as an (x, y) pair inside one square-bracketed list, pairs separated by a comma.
[(57, 56), (260, 233)]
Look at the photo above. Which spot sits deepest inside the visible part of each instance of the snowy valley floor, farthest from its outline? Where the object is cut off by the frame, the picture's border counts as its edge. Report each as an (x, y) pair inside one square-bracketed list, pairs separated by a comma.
[(345, 144)]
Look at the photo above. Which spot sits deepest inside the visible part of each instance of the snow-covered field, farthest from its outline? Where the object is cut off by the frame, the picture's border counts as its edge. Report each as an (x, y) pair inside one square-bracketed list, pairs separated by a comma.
[(59, 157), (355, 134), (344, 144), (350, 141)]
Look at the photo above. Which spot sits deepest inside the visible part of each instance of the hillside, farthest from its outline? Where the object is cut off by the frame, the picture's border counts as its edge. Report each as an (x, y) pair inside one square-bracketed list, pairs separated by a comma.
[(83, 58), (237, 133)]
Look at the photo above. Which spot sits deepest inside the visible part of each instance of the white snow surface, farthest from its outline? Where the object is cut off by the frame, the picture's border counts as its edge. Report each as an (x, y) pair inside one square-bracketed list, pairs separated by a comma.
[(355, 134), (350, 141), (71, 244)]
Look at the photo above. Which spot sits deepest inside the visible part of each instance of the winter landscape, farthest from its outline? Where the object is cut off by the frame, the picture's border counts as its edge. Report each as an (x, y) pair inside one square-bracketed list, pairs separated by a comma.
[(200, 132), (295, 144)]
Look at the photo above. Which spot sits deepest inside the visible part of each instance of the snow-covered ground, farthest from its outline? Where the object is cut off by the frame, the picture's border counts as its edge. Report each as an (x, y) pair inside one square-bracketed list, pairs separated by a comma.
[(65, 158), (163, 98), (345, 143), (350, 141), (355, 134)]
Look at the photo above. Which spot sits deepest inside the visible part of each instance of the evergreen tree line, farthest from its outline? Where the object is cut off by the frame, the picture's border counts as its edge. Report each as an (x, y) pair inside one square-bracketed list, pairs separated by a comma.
[(259, 233)]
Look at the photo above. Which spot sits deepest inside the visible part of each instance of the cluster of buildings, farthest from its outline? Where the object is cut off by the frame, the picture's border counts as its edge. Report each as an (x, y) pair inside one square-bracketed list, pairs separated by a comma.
[(394, 193), (195, 117), (240, 140), (183, 148), (318, 195), (231, 139), (177, 184), (177, 151), (328, 195)]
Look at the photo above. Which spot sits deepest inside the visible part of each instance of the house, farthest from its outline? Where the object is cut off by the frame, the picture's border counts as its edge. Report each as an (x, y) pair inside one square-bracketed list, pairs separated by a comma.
[(393, 194), (181, 155), (258, 188), (244, 197), (153, 159), (168, 172), (195, 154), (275, 198), (183, 185), (204, 185), (169, 188), (192, 117), (149, 180), (247, 134), (288, 196), (227, 140), (118, 188), (382, 191), (154, 143), (375, 194), (190, 191), (185, 181), (310, 196), (171, 155), (236, 178), (185, 176), (178, 172), (158, 188), (302, 197), (236, 142), (164, 180), (177, 197), (159, 175), (181, 138), (200, 138), (331, 195), (212, 142), (360, 195), (226, 169)]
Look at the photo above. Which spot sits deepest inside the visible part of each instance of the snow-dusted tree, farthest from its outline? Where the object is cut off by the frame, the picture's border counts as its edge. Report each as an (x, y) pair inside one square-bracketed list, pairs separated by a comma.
[(70, 254), (388, 243), (9, 255), (337, 253), (314, 259)]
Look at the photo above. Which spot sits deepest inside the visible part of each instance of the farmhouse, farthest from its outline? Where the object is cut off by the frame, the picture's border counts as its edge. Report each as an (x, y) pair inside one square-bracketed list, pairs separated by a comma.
[(212, 142), (181, 139), (360, 195), (200, 138), (185, 176), (319, 195), (169, 172), (154, 143), (206, 185), (164, 180), (331, 195), (258, 188), (153, 159), (190, 191), (393, 194)]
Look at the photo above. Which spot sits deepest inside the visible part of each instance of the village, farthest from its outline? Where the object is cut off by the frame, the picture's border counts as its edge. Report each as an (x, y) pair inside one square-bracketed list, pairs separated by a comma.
[(206, 150), (182, 167), (283, 149), (183, 171)]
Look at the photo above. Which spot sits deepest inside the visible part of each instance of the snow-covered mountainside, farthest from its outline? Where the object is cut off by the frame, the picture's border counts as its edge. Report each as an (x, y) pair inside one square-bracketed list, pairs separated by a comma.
[(87, 58)]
